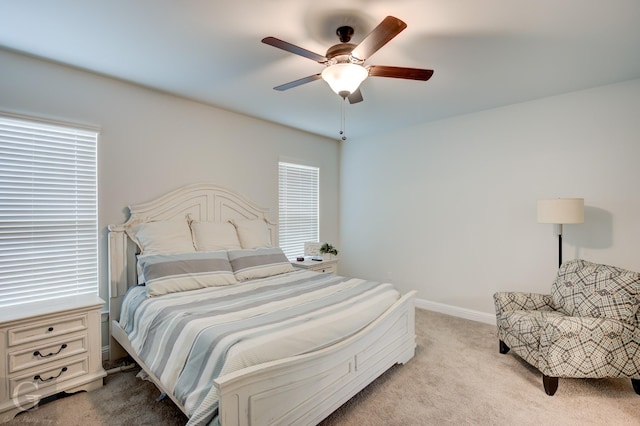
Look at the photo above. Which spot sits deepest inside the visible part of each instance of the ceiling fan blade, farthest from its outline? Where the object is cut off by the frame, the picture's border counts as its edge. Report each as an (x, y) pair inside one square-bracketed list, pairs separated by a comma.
[(298, 82), (400, 72), (355, 97), (292, 48), (378, 37)]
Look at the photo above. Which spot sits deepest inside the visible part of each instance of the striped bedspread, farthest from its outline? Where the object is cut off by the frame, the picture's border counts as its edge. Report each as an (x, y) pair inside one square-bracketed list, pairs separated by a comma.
[(188, 339)]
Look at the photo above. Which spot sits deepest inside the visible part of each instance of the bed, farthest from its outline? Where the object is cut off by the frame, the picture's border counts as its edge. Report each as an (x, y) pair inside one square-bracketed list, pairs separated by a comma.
[(175, 328)]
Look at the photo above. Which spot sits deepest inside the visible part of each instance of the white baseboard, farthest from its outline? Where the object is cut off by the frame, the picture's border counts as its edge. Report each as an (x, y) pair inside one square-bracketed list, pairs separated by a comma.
[(456, 311)]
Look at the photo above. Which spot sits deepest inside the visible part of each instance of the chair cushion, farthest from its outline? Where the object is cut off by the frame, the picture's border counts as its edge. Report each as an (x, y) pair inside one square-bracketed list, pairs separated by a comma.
[(526, 325), (589, 289)]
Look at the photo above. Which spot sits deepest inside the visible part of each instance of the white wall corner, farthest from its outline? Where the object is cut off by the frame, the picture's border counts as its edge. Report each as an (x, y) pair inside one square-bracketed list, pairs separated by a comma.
[(456, 311)]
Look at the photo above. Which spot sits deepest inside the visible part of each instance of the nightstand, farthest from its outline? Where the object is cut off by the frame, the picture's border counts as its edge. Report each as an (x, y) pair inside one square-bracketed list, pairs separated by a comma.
[(326, 266), (47, 348)]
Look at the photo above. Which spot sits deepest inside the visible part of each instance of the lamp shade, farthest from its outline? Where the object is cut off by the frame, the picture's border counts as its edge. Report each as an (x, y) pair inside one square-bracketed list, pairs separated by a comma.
[(561, 210), (344, 79)]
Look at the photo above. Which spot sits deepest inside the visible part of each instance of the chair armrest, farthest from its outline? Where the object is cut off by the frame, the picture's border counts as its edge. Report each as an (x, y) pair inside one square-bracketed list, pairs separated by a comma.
[(587, 329), (507, 301)]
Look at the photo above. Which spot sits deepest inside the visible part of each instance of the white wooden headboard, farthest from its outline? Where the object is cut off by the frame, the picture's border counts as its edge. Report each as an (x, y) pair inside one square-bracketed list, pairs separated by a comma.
[(202, 202)]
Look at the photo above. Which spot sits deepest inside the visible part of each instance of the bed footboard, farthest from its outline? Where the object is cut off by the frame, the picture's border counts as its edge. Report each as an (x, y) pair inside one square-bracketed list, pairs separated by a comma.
[(307, 388)]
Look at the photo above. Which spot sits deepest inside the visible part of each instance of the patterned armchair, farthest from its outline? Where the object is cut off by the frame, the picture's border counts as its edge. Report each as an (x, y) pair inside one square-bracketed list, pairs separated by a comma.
[(589, 326)]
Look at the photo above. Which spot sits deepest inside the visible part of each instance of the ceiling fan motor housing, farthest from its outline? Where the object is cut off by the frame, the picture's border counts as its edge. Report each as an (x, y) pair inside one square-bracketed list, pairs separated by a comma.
[(341, 53)]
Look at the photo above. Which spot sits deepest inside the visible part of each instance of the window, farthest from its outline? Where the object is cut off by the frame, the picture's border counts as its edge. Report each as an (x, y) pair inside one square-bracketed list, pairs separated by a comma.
[(298, 206), (48, 211)]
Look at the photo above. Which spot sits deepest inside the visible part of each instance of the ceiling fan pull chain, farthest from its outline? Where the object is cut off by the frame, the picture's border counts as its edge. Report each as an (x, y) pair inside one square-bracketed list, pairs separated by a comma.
[(342, 120)]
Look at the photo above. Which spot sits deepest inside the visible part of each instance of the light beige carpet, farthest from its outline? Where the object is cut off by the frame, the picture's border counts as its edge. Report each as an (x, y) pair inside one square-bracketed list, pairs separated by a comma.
[(457, 377)]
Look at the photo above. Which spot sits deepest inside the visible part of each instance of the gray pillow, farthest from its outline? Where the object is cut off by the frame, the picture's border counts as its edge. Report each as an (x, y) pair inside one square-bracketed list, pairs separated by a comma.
[(258, 263), (170, 273)]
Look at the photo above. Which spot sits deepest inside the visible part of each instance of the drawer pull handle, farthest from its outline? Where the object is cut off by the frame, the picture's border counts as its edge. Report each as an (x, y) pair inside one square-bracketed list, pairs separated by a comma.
[(37, 353), (50, 378)]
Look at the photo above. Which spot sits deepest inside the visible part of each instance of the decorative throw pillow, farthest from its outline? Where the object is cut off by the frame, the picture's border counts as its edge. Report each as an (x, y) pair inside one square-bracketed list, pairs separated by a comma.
[(211, 236), (253, 233), (163, 237), (589, 289), (170, 273), (258, 263)]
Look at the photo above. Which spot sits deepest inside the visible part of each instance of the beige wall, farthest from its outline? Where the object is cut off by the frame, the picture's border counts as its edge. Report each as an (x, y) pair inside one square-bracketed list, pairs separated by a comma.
[(151, 143), (449, 208)]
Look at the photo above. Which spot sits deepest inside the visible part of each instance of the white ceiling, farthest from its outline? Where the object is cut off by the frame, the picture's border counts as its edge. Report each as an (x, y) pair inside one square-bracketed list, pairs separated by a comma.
[(485, 53)]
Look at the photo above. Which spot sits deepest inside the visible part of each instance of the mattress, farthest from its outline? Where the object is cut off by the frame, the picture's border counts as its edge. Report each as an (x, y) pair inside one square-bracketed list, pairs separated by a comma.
[(190, 338)]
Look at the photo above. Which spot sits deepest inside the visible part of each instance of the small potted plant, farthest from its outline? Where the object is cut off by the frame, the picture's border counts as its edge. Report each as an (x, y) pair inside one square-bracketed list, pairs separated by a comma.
[(328, 251)]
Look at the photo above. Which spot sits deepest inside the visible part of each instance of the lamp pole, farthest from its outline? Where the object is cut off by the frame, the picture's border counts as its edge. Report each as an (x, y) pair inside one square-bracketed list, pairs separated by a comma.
[(560, 247)]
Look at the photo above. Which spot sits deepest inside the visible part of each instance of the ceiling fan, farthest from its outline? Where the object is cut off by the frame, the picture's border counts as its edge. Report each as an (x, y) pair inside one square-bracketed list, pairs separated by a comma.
[(345, 68)]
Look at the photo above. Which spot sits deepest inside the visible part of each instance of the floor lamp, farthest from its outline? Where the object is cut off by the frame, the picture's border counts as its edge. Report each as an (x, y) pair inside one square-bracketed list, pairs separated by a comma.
[(560, 211)]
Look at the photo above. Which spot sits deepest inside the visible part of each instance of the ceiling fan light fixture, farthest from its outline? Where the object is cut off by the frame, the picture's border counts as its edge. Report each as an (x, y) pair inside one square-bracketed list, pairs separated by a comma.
[(344, 78)]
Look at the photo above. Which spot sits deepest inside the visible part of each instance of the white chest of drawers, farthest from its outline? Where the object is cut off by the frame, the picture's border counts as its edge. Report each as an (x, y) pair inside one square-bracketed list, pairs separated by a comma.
[(47, 348)]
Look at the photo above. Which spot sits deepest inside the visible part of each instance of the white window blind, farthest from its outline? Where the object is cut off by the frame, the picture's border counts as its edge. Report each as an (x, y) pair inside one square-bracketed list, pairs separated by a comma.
[(298, 220), (48, 211)]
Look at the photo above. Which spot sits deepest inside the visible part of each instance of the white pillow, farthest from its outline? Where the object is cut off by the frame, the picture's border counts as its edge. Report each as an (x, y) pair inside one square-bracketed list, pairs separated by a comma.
[(164, 237), (211, 236), (253, 233)]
